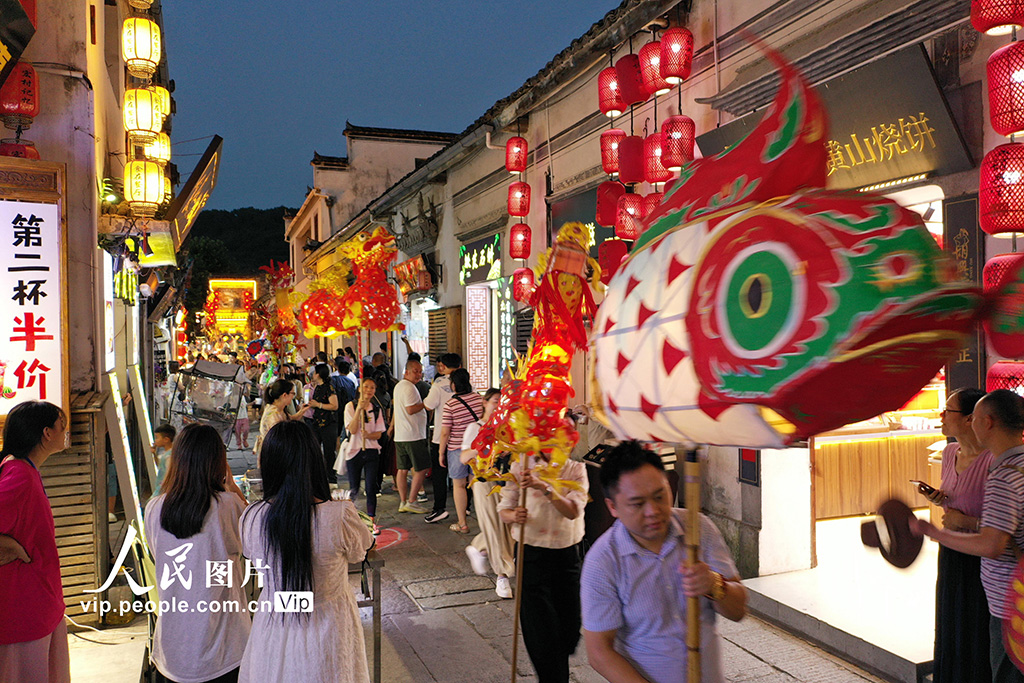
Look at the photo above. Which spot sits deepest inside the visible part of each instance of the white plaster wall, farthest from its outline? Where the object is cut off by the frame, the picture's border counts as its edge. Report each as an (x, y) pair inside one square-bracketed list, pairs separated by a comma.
[(786, 514)]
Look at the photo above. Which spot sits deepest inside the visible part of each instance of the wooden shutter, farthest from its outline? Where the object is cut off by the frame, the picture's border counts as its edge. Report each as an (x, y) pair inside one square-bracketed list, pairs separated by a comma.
[(445, 335)]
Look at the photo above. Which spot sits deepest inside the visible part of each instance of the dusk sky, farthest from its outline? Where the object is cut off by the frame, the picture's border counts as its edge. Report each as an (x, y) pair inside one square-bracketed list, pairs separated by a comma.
[(278, 80)]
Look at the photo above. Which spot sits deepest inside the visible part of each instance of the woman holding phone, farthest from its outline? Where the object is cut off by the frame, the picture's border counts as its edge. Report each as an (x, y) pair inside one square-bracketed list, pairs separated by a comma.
[(961, 609)]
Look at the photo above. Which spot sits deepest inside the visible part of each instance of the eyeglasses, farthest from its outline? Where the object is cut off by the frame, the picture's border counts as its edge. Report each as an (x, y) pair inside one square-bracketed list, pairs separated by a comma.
[(950, 410)]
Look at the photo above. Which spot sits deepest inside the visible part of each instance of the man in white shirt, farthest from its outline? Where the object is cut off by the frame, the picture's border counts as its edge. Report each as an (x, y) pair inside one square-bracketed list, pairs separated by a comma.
[(440, 392), (551, 526), (411, 451)]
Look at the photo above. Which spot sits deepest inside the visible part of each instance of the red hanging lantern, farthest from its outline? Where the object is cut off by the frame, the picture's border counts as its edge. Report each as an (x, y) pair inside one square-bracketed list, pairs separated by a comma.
[(650, 69), (654, 171), (651, 202), (608, 194), (522, 284), (631, 159), (609, 257), (515, 155), (22, 149), (609, 99), (678, 134), (610, 140), (676, 55), (628, 222), (1001, 196), (519, 199), (1002, 328), (631, 81), (1005, 374), (19, 97), (519, 240), (1005, 71), (997, 17)]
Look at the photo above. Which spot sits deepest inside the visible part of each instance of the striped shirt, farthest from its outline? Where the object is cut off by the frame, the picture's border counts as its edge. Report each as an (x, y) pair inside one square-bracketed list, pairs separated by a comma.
[(458, 416), (966, 490), (1004, 510), (638, 594)]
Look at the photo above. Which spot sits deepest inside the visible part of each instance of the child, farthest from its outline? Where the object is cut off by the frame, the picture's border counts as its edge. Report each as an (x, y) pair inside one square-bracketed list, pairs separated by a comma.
[(163, 437)]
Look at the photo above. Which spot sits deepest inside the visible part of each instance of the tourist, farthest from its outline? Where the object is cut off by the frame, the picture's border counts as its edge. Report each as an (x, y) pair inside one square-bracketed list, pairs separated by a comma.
[(200, 505), (308, 541), (324, 402), (276, 398), (410, 426), (463, 409), (440, 392)]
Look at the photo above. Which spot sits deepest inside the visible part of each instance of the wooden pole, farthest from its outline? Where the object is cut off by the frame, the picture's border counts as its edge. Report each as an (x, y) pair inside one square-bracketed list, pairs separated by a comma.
[(691, 493), (519, 575)]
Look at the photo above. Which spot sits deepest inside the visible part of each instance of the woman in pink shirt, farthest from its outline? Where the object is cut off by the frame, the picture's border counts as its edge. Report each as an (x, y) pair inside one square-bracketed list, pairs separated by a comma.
[(961, 610), (33, 636)]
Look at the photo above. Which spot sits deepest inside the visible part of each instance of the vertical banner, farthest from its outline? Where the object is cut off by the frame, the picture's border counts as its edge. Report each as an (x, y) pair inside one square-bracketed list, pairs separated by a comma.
[(478, 328), (33, 338), (965, 242)]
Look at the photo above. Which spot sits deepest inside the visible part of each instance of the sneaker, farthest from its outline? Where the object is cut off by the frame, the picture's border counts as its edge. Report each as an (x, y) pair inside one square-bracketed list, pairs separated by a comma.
[(376, 532), (111, 517), (414, 508), (436, 516), (478, 561), (421, 497), (503, 587), (403, 507)]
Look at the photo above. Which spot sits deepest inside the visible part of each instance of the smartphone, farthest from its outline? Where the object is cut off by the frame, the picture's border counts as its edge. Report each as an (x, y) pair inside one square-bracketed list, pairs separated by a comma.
[(308, 394), (923, 487)]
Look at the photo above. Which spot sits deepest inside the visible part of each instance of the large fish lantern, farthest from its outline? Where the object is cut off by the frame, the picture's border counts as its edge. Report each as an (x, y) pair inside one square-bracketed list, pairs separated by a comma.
[(371, 302), (758, 308)]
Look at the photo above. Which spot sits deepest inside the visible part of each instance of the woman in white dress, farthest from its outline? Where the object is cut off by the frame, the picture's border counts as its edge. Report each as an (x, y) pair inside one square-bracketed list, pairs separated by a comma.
[(307, 540)]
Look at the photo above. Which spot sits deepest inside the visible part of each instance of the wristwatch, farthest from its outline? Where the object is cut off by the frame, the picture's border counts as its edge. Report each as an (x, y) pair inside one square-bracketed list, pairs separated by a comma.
[(717, 591)]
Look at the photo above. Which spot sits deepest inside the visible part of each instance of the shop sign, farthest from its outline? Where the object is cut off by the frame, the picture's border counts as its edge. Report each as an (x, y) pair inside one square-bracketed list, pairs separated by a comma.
[(480, 261), (965, 242), (32, 338), (408, 274), (880, 126), (580, 208), (186, 207)]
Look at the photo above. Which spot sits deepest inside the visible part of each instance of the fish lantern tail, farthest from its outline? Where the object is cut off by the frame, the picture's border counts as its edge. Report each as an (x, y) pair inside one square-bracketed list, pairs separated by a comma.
[(1003, 314)]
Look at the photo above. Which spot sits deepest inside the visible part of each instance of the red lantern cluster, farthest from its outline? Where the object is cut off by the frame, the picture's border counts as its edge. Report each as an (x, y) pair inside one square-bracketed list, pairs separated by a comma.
[(630, 216), (19, 97), (610, 141), (651, 202), (519, 239), (1006, 374), (654, 170), (515, 155), (631, 159), (650, 69), (631, 80), (609, 257), (1005, 73), (678, 134)]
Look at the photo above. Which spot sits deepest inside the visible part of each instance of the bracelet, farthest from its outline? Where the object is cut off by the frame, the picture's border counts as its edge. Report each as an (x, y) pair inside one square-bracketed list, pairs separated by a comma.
[(717, 591)]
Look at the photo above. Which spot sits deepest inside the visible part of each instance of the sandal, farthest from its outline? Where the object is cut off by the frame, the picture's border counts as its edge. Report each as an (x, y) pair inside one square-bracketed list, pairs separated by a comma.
[(459, 529)]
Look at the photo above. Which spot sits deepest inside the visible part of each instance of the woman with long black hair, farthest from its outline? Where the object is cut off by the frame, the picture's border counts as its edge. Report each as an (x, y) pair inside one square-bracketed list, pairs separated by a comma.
[(33, 635), (324, 403), (192, 522), (307, 540)]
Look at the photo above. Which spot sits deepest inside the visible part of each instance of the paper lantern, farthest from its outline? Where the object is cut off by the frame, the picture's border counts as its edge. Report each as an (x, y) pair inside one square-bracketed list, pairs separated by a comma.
[(609, 99), (650, 69), (140, 46), (19, 97), (1005, 374), (628, 222), (654, 171), (522, 284), (161, 100), (651, 202), (608, 194), (610, 140), (676, 54), (631, 81), (519, 199), (142, 119), (609, 257), (997, 17), (1005, 71), (631, 159), (519, 239), (143, 186), (1003, 327), (20, 148), (678, 133), (515, 155), (160, 149), (1001, 195)]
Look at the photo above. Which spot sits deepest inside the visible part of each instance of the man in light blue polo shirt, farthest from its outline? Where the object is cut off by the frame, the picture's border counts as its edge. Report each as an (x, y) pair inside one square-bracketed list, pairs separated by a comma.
[(635, 579)]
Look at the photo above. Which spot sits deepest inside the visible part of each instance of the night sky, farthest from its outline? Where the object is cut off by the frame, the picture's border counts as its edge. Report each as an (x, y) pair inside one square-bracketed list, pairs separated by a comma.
[(278, 80)]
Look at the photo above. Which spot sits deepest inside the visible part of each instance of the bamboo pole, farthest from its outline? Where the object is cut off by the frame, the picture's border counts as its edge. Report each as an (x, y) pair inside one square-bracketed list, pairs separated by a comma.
[(519, 574), (691, 498)]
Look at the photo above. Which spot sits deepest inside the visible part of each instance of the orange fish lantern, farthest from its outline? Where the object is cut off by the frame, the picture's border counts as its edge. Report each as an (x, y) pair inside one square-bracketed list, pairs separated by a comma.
[(371, 302)]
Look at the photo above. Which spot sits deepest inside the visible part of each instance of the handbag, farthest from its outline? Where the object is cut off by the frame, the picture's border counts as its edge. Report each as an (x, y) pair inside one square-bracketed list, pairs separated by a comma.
[(347, 451)]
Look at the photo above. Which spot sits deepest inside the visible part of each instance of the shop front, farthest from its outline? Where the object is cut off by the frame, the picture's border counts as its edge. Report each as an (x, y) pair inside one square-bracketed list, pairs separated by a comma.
[(480, 272)]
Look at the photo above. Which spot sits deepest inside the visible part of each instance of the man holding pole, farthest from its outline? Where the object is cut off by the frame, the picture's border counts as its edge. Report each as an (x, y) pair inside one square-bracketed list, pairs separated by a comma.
[(549, 524), (636, 580)]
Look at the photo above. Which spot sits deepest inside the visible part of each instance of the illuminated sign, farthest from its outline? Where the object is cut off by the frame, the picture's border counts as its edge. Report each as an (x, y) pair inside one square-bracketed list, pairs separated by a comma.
[(879, 128), (480, 261), (233, 300), (408, 274), (186, 207)]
